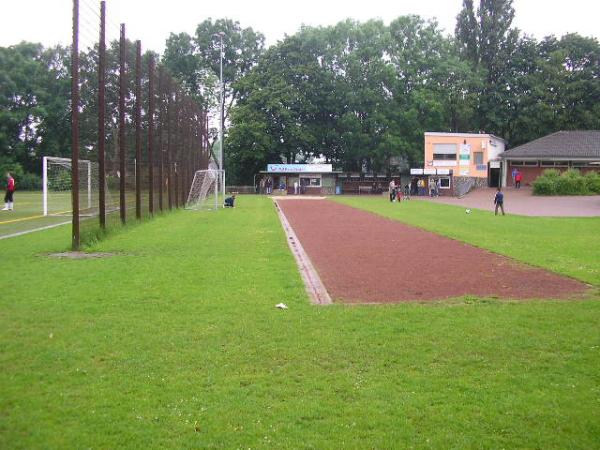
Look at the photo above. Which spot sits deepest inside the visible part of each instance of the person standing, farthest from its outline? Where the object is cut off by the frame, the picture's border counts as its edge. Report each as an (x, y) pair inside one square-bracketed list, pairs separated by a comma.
[(518, 178), (10, 190), (421, 187), (499, 202), (296, 187), (514, 175), (392, 190)]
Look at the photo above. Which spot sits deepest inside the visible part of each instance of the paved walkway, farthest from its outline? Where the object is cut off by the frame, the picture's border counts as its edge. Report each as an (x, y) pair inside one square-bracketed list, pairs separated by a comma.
[(523, 202)]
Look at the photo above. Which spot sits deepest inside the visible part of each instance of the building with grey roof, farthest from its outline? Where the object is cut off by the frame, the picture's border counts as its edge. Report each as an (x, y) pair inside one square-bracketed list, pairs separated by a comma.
[(561, 150)]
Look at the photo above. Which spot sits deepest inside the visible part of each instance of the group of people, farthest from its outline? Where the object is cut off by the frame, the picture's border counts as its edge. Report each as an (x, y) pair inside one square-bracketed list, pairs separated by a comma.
[(397, 193), (9, 195), (266, 185), (417, 186), (423, 187)]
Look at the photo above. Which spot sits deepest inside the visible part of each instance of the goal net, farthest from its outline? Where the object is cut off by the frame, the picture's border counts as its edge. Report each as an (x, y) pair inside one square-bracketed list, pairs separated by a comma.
[(208, 189), (56, 177)]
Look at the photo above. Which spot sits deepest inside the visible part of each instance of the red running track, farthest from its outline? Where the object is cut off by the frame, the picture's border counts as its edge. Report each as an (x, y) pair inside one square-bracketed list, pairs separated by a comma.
[(362, 258)]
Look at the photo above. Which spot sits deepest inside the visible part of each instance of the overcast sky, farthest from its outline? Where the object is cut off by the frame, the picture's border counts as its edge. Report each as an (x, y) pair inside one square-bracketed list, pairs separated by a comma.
[(49, 21)]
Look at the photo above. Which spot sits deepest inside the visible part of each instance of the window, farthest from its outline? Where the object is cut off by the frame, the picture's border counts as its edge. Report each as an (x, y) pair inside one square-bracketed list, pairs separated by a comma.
[(554, 163), (478, 158), (444, 182), (444, 148), (524, 163), (444, 156), (310, 181), (444, 152)]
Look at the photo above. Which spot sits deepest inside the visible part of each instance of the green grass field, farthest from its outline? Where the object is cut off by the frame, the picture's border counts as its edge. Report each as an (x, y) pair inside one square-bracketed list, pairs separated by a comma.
[(28, 212), (175, 342)]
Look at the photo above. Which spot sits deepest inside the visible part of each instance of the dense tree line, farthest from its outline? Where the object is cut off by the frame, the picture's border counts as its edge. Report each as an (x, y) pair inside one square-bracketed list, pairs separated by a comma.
[(34, 114), (357, 94)]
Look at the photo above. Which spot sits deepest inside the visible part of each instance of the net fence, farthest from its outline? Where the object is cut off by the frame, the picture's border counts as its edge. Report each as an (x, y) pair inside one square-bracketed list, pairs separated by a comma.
[(140, 137)]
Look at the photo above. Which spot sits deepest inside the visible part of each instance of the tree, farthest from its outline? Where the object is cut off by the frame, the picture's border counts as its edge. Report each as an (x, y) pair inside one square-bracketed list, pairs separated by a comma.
[(486, 39), (195, 60), (34, 111)]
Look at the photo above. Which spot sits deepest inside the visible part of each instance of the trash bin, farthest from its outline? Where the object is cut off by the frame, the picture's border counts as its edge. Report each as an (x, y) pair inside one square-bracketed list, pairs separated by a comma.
[(338, 190)]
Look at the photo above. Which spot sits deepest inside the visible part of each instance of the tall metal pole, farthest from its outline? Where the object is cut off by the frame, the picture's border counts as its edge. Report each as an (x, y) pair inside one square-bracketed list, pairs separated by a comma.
[(75, 236), (122, 144), (221, 115), (138, 130), (101, 117)]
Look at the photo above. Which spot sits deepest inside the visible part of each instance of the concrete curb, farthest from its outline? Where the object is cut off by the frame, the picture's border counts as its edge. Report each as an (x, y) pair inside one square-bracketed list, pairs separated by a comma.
[(314, 286)]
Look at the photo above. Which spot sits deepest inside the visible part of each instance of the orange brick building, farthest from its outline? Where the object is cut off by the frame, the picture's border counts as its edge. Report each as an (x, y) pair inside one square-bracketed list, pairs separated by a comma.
[(466, 154)]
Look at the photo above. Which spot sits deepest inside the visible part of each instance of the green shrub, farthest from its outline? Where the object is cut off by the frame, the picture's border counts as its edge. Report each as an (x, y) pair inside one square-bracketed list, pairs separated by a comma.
[(551, 173), (29, 182), (544, 186), (570, 182), (592, 181)]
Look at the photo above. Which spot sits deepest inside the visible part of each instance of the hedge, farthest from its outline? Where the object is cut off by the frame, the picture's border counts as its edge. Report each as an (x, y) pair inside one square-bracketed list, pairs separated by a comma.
[(570, 182)]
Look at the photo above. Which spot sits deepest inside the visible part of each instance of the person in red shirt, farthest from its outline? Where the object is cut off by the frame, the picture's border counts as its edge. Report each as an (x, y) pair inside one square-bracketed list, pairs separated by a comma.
[(518, 178), (10, 189)]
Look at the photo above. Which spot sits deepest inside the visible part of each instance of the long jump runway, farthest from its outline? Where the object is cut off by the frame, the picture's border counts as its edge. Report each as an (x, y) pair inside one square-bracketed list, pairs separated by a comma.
[(363, 258)]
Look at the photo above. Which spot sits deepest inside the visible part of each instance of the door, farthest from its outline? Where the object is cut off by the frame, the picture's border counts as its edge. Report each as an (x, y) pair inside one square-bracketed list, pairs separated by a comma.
[(494, 178)]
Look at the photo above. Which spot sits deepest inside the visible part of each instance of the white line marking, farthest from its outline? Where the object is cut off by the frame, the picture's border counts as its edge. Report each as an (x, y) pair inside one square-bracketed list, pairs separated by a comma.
[(21, 233)]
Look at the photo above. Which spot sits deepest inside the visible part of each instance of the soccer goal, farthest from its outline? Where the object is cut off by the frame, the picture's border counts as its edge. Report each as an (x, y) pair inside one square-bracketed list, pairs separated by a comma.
[(208, 190), (56, 179)]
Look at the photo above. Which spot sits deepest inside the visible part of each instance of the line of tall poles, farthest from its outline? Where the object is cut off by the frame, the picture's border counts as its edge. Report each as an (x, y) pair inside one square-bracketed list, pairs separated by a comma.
[(183, 126)]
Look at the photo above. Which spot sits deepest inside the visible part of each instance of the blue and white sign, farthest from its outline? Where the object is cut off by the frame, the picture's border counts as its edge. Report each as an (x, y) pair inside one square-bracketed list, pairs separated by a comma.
[(300, 168)]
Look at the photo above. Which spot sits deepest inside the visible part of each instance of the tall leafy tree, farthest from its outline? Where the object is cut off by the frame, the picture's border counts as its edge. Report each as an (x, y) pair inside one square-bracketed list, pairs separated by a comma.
[(34, 111), (486, 39), (195, 60)]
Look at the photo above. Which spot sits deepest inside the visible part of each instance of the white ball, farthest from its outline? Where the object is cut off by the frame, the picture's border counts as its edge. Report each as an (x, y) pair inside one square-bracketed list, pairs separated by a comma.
[(468, 211)]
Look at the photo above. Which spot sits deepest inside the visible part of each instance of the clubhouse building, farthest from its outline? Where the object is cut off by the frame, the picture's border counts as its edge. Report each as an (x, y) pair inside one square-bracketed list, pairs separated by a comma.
[(467, 155), (561, 150)]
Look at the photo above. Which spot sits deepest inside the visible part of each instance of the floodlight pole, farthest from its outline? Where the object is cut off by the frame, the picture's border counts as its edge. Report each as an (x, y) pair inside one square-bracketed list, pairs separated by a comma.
[(222, 95)]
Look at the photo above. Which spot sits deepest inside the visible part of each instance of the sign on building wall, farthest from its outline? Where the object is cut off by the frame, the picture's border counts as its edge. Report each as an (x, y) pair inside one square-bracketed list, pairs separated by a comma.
[(444, 163), (300, 168), (465, 154)]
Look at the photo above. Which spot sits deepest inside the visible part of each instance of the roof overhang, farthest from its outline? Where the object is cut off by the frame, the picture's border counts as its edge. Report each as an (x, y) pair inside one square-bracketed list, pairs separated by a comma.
[(334, 172), (546, 158), (463, 135)]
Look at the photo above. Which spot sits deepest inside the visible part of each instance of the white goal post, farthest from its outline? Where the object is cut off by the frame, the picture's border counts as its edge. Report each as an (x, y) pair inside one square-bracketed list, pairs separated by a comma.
[(207, 190), (50, 183)]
